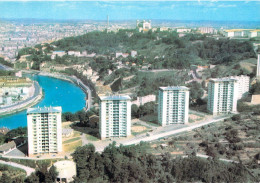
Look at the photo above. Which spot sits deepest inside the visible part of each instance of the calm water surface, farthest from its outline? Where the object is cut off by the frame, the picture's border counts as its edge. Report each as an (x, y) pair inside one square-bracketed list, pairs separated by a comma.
[(57, 93)]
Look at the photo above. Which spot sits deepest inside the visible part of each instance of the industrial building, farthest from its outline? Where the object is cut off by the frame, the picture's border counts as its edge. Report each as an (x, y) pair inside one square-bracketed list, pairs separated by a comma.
[(173, 105), (44, 130), (115, 116)]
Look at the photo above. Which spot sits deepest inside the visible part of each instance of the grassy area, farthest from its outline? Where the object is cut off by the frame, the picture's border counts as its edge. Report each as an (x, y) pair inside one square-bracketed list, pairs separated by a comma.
[(30, 163), (91, 138), (72, 146), (141, 132), (71, 140)]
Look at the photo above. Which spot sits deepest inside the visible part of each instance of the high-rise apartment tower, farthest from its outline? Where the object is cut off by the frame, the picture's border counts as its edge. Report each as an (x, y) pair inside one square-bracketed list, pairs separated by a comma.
[(222, 96), (114, 116), (173, 105), (44, 130)]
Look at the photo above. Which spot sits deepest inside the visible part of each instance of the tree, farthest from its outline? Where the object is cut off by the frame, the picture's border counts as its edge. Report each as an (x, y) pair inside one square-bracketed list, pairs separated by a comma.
[(196, 91), (51, 175), (32, 178), (5, 178), (134, 111)]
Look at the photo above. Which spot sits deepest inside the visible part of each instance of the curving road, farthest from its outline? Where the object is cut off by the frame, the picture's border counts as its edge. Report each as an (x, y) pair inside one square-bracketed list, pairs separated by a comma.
[(4, 67), (28, 170)]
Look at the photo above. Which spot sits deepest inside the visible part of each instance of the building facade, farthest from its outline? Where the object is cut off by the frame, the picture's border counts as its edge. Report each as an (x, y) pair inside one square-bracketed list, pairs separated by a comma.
[(243, 85), (258, 66), (222, 96), (44, 130), (173, 105), (115, 116), (143, 25)]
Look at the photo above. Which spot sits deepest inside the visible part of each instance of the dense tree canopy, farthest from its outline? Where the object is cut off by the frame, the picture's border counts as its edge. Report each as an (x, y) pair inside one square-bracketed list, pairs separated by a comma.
[(134, 164)]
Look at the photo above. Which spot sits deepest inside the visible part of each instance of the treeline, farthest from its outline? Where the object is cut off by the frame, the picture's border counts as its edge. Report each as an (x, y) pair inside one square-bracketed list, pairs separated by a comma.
[(162, 49), (4, 62), (81, 116), (134, 164), (18, 132)]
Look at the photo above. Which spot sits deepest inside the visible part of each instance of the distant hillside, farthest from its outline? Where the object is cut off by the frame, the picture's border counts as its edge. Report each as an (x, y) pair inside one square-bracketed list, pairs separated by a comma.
[(162, 49)]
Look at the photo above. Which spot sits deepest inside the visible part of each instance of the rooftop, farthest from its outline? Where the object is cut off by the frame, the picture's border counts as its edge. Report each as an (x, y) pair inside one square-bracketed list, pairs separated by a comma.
[(7, 146), (174, 88), (115, 97), (44, 110), (237, 30), (222, 79)]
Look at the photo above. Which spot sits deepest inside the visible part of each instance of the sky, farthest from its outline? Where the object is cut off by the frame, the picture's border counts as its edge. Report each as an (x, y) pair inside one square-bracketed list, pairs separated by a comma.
[(131, 10)]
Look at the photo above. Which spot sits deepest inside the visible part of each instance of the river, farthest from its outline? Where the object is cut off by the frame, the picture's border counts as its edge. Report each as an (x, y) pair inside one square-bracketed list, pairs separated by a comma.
[(56, 93)]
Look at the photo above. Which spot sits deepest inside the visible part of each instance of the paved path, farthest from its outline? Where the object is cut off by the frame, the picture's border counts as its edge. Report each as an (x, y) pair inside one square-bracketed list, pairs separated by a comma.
[(157, 133), (221, 159), (4, 67), (173, 132), (28, 170)]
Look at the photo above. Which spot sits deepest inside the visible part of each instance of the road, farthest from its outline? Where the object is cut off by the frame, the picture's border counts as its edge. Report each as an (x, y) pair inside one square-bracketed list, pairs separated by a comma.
[(157, 133), (86, 89), (23, 103), (28, 170), (4, 67), (221, 159)]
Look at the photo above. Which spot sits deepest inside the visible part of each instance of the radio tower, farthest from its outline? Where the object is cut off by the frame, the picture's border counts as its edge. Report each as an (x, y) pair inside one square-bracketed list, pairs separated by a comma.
[(107, 21)]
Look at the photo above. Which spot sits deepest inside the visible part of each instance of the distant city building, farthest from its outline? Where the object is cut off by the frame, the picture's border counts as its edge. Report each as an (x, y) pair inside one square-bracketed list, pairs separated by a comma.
[(143, 25), (222, 96), (145, 99), (173, 105), (57, 53), (164, 29), (115, 116), (242, 33), (182, 30), (124, 55), (44, 130), (258, 66), (207, 30), (133, 53), (254, 33), (14, 89)]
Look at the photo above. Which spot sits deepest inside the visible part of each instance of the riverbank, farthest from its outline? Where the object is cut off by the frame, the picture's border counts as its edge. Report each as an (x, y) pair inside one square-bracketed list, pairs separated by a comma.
[(72, 79), (22, 105)]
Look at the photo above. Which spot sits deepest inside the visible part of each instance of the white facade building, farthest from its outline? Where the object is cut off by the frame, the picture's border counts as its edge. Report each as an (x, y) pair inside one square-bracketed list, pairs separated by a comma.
[(173, 105), (222, 96), (143, 25), (207, 30), (115, 116), (258, 66), (44, 130), (243, 83)]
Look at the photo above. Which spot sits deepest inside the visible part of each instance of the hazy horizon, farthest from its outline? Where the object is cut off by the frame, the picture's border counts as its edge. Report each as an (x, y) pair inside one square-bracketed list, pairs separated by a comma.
[(132, 10)]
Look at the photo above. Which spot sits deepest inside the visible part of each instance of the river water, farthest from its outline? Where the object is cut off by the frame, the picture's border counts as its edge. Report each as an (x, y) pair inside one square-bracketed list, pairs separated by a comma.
[(56, 93)]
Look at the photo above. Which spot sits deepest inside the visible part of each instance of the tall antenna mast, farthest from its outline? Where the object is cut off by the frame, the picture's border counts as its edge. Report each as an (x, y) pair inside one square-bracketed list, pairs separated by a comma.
[(107, 21)]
